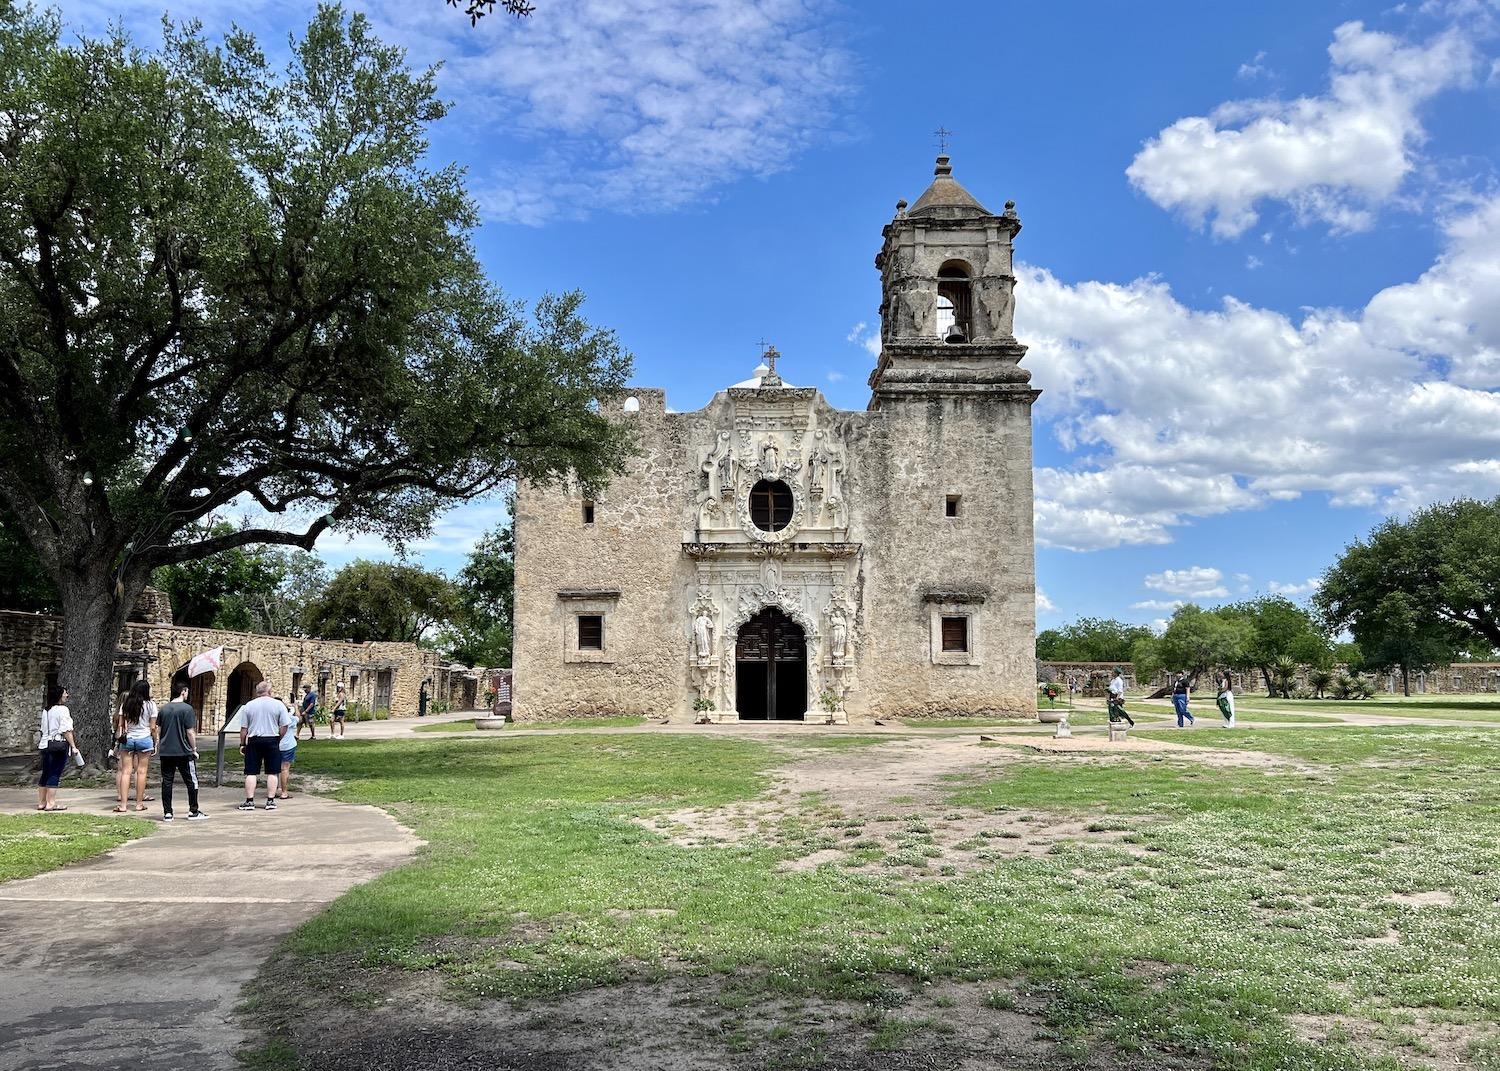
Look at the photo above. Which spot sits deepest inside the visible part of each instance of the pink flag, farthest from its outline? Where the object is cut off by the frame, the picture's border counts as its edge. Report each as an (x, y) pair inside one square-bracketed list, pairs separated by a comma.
[(207, 662)]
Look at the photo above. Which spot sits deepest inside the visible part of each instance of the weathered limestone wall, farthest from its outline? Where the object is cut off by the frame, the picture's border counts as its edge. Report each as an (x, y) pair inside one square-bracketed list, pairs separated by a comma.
[(633, 550), (1460, 678), (30, 650), (979, 448)]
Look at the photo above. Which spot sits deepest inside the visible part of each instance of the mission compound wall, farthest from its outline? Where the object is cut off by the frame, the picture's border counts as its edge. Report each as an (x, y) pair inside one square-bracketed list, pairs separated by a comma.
[(770, 555)]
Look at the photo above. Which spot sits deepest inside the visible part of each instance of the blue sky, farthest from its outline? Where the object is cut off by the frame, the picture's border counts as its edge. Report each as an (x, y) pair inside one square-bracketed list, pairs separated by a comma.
[(1261, 245)]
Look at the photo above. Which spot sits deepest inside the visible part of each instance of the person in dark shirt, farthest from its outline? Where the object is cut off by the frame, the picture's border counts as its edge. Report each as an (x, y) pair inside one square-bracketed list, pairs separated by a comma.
[(307, 710), (1180, 693), (177, 746)]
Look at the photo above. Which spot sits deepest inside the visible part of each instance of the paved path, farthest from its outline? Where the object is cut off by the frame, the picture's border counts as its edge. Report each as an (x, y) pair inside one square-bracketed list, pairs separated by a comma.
[(135, 959)]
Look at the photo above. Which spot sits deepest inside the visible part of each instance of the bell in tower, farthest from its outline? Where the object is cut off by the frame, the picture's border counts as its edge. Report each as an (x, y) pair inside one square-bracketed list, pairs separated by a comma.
[(947, 292)]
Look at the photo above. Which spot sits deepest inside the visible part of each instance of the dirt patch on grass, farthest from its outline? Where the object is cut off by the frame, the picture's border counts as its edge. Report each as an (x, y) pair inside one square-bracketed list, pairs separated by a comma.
[(883, 809), (1425, 1038), (1430, 898), (414, 1020)]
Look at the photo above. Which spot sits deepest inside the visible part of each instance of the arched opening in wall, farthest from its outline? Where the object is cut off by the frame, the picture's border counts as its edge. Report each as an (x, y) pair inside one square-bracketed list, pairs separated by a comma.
[(240, 688), (199, 689), (770, 668), (955, 303)]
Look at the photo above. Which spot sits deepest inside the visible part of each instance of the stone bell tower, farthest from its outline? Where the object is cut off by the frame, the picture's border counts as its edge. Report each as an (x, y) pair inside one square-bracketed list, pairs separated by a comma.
[(952, 574), (947, 297)]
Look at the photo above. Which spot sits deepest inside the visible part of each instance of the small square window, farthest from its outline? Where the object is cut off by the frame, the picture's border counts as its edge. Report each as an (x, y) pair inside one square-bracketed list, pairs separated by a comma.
[(591, 632), (955, 634), (950, 506), (588, 512)]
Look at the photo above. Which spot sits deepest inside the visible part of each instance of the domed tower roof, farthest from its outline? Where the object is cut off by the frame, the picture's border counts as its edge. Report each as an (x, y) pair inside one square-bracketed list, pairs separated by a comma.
[(945, 198)]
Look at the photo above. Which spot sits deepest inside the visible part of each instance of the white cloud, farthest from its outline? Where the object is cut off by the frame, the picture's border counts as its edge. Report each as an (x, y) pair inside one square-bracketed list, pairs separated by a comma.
[(834, 377), (1044, 605), (639, 107), (1256, 68), (1333, 157), (1252, 262), (1307, 587), (1172, 413), (1157, 604), (1194, 582), (866, 337)]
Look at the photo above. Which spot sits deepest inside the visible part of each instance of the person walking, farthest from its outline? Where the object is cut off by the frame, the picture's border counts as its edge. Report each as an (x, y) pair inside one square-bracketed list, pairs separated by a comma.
[(135, 733), (1180, 693), (422, 700), (56, 745), (263, 720), (307, 713), (337, 714), (177, 746), (1226, 700), (1116, 699)]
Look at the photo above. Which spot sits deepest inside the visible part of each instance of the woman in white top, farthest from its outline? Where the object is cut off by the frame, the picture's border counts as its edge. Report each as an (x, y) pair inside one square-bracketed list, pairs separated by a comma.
[(56, 745), (135, 735)]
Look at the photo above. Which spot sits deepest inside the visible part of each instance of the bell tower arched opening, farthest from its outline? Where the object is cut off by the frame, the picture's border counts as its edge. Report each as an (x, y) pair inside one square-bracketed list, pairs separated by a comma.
[(955, 303), (770, 656)]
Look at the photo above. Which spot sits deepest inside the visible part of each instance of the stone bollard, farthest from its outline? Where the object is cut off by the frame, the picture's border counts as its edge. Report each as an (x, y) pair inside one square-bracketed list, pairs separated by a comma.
[(1064, 730), (1117, 731)]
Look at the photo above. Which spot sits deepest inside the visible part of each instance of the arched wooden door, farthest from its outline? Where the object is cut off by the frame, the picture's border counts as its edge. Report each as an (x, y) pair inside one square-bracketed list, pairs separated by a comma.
[(771, 667)]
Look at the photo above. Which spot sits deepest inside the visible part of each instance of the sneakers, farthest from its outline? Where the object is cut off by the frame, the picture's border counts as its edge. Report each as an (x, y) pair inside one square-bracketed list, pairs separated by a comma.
[(270, 805), (248, 805), (167, 817), (196, 816)]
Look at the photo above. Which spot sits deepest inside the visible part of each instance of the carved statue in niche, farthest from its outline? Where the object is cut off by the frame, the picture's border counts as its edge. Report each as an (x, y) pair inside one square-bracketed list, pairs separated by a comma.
[(997, 300), (817, 466), (728, 465), (769, 456), (705, 626), (838, 635)]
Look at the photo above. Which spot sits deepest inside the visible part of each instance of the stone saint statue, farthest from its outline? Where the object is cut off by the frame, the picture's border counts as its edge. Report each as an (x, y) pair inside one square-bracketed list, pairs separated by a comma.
[(818, 466), (838, 635), (703, 634), (768, 456)]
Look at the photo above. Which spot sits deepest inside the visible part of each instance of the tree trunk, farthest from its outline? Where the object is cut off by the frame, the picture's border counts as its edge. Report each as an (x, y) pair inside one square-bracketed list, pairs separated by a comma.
[(92, 619), (1405, 681), (1265, 672)]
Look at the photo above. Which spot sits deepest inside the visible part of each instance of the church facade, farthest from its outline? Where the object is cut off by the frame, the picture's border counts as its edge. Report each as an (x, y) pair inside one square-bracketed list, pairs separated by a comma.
[(772, 557)]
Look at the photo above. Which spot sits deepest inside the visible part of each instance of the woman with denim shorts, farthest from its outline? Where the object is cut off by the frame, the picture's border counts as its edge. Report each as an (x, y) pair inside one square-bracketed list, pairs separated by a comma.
[(57, 724), (135, 733)]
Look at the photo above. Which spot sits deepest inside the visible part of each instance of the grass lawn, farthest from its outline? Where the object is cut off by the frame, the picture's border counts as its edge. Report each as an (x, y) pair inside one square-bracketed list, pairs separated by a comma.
[(1309, 898), (33, 843), (622, 721), (1476, 708)]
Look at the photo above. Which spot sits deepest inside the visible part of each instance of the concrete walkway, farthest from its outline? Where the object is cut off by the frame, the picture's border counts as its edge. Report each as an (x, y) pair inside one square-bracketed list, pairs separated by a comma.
[(135, 959)]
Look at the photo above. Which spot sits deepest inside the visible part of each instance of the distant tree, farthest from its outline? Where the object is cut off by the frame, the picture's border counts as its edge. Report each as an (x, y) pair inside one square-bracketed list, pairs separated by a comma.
[(1090, 639), (218, 591), (481, 636), (369, 601), (1281, 633), (221, 281), (1196, 640), (1400, 635), (1445, 560), (1349, 655), (281, 611)]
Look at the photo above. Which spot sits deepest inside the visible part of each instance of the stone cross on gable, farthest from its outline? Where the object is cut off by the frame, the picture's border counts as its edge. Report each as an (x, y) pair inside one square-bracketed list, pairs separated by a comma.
[(770, 379), (943, 134)]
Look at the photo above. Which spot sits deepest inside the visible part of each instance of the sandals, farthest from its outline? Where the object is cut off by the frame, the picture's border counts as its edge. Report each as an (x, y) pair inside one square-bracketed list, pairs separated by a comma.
[(121, 810), (59, 808)]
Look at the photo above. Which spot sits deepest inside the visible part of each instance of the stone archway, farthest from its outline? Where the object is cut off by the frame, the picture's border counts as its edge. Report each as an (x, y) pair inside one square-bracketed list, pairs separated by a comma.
[(199, 690), (789, 608), (240, 688), (771, 668)]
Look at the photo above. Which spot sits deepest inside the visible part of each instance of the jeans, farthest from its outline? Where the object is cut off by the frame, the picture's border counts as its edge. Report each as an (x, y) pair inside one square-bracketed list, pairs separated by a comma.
[(1179, 703), (188, 767)]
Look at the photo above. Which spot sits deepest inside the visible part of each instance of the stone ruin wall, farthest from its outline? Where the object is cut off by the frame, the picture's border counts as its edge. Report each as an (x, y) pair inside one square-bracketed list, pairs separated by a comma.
[(30, 649)]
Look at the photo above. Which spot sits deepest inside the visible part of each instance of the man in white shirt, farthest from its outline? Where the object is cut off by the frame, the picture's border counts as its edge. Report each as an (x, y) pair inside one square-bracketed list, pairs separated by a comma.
[(1116, 700), (263, 721)]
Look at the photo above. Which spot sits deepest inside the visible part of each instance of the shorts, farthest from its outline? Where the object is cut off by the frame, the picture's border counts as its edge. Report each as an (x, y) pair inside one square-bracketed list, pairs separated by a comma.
[(52, 768), (262, 752), (288, 756), (338, 715), (138, 743)]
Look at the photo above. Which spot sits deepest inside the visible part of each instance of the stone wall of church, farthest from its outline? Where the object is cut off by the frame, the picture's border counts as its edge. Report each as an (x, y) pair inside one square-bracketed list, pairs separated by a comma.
[(922, 565), (30, 650), (627, 566)]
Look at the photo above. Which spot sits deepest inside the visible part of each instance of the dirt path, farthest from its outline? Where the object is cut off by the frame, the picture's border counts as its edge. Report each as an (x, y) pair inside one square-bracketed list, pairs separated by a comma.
[(135, 959)]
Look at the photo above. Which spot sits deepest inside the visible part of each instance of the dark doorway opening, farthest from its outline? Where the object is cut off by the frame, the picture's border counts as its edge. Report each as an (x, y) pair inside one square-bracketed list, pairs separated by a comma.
[(241, 687), (771, 668)]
